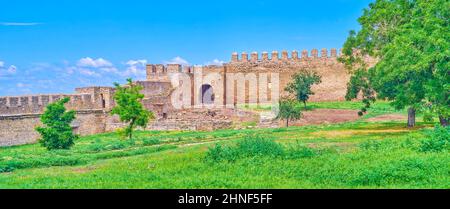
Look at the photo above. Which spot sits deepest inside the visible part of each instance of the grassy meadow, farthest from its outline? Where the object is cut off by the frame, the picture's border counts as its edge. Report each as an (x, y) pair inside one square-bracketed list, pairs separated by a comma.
[(356, 154)]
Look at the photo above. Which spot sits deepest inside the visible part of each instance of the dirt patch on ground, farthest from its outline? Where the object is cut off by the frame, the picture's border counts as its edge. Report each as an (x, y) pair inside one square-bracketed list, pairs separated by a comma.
[(324, 116), (83, 170), (349, 133), (388, 117)]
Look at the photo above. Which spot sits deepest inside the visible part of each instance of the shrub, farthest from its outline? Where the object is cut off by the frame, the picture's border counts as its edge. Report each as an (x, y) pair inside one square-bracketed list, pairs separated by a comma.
[(148, 142), (6, 168), (96, 147), (221, 153), (370, 145), (57, 133), (299, 151), (256, 146), (439, 139), (117, 145), (57, 158), (251, 146)]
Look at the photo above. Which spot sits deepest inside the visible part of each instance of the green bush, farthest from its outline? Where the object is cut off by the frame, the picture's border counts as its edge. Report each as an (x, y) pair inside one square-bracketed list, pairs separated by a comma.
[(256, 146), (56, 158), (221, 153), (57, 133), (6, 168), (106, 146), (247, 147), (299, 151), (438, 140), (370, 145), (147, 142)]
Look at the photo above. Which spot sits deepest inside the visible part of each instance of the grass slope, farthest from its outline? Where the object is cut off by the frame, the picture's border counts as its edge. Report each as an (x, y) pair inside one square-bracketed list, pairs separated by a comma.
[(349, 155)]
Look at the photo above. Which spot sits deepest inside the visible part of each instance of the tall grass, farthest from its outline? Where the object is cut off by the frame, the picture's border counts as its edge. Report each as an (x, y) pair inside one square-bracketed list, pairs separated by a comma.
[(254, 147)]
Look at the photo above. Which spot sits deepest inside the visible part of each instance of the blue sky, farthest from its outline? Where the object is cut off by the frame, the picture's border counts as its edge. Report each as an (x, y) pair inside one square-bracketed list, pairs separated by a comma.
[(54, 46)]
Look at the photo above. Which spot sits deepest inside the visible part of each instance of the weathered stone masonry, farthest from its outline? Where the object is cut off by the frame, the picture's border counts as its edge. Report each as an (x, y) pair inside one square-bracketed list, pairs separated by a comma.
[(19, 115)]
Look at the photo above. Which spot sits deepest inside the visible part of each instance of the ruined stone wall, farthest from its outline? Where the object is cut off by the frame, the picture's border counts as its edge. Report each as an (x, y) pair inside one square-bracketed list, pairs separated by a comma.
[(157, 96), (102, 96), (334, 75), (14, 105), (19, 115), (20, 129), (88, 98)]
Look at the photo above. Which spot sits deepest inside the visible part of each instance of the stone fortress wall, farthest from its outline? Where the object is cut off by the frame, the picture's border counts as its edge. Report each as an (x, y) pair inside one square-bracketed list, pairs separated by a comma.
[(19, 115), (334, 75)]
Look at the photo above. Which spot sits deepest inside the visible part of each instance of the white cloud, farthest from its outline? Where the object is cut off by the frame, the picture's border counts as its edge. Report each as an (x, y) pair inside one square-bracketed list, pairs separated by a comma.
[(109, 69), (97, 63), (70, 69), (20, 23), (215, 62), (92, 67), (136, 62), (12, 69), (22, 85), (177, 60), (135, 68), (88, 72)]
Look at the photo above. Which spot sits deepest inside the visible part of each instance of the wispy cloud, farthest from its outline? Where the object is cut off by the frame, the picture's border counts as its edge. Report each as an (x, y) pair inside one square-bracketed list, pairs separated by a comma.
[(88, 66), (135, 68), (177, 60), (4, 70), (89, 62), (20, 23), (215, 62)]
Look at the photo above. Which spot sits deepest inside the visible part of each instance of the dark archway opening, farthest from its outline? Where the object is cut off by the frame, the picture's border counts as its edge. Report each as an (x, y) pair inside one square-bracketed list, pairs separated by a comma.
[(207, 94), (103, 101)]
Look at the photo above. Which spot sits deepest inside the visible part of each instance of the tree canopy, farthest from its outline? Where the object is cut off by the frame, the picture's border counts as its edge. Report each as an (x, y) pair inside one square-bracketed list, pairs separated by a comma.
[(289, 110), (410, 40), (301, 85), (129, 106), (57, 133)]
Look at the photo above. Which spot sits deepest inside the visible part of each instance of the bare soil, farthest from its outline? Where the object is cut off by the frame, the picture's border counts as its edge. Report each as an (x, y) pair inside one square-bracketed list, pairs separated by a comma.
[(388, 117), (349, 133), (324, 116)]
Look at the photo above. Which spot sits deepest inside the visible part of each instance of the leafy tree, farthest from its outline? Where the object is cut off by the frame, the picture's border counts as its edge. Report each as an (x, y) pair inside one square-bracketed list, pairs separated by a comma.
[(57, 133), (301, 85), (410, 39), (289, 110), (129, 107)]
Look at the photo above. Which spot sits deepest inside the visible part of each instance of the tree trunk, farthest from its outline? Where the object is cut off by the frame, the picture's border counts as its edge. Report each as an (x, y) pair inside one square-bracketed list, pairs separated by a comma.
[(131, 129), (131, 133), (411, 117), (287, 122), (304, 103), (443, 121)]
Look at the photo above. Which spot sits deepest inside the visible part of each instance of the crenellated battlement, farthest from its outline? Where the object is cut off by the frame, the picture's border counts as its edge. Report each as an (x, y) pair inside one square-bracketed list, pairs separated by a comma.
[(94, 98), (284, 56), (160, 72)]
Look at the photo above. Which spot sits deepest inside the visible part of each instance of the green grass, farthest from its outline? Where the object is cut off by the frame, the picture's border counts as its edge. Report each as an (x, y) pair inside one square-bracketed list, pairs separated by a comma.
[(347, 155), (378, 108)]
